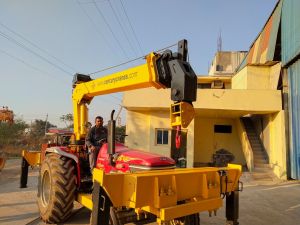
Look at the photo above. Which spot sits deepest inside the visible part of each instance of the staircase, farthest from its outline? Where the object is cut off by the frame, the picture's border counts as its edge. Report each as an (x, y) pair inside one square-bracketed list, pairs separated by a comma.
[(262, 169)]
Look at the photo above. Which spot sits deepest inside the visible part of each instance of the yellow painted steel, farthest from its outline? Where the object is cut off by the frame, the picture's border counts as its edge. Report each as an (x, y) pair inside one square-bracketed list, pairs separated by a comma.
[(158, 192), (142, 76), (181, 114), (133, 78), (86, 200), (32, 157), (167, 214)]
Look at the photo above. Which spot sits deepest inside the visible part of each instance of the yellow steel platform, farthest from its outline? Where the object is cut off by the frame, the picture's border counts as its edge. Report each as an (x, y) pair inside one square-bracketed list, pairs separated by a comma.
[(159, 192)]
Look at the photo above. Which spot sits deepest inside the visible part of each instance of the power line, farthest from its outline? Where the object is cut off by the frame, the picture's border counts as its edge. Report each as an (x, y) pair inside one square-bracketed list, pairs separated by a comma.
[(132, 60), (26, 63), (92, 2), (121, 64), (50, 75), (139, 44), (95, 26), (109, 27), (99, 32), (36, 46), (31, 51), (170, 46), (125, 34)]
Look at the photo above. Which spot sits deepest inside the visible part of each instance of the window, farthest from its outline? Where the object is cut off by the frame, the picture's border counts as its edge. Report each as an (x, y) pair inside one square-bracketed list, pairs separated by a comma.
[(219, 68), (204, 86), (223, 129), (162, 136)]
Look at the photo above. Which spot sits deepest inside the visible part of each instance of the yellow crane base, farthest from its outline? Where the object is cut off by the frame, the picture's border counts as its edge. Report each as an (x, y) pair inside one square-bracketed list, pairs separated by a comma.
[(168, 194)]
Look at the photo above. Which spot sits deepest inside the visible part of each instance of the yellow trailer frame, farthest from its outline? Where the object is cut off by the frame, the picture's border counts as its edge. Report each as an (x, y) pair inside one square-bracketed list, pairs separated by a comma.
[(167, 194), (160, 192), (29, 158)]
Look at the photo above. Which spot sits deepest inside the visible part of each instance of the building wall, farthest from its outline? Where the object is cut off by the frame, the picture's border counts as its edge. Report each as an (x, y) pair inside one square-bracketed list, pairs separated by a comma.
[(207, 142), (225, 63), (274, 76), (245, 143), (262, 125), (258, 101), (252, 77), (206, 82), (277, 152), (239, 80), (271, 129), (210, 99), (159, 119), (190, 148), (257, 77), (137, 129), (141, 126)]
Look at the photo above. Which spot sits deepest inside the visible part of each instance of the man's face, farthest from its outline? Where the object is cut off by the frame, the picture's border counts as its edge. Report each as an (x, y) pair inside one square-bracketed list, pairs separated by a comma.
[(98, 122)]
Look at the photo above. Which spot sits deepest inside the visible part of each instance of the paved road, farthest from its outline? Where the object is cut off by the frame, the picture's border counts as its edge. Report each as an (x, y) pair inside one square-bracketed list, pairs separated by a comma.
[(267, 203)]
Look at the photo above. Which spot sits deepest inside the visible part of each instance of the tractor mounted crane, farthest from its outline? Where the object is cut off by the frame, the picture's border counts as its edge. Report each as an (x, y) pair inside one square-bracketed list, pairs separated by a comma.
[(130, 185)]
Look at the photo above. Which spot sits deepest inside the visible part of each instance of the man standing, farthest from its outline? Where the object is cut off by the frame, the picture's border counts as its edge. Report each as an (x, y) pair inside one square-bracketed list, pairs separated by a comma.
[(94, 140)]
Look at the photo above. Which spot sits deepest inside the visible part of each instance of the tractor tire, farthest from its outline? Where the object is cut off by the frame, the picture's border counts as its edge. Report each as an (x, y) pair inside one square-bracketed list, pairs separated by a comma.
[(113, 218), (2, 163), (2, 160), (193, 219), (56, 189), (128, 216)]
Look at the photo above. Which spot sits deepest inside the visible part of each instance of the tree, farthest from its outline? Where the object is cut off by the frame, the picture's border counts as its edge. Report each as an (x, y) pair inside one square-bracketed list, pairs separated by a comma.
[(38, 128), (67, 119), (36, 133), (11, 133), (120, 133)]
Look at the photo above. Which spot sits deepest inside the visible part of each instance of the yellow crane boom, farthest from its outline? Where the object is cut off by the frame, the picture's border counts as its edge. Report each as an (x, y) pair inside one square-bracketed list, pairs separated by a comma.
[(165, 70)]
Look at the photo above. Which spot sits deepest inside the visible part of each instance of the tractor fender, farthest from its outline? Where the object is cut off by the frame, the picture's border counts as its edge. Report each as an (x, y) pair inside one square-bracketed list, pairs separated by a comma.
[(60, 151)]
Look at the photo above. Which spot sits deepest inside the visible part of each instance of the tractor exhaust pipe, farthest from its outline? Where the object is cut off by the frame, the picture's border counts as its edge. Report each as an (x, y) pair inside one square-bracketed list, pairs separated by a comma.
[(111, 138)]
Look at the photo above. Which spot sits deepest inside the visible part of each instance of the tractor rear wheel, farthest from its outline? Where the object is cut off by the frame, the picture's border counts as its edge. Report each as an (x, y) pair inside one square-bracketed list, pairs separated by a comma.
[(56, 189), (193, 219), (2, 163), (2, 160), (128, 215)]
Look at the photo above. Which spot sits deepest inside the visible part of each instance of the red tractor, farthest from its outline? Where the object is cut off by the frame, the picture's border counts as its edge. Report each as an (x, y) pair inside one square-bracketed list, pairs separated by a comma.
[(65, 172), (121, 189)]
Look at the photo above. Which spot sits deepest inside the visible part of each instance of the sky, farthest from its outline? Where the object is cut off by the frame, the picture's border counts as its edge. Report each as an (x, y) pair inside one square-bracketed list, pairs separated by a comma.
[(43, 43)]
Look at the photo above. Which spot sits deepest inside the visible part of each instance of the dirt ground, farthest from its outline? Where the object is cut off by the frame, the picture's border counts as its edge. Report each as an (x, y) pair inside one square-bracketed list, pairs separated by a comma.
[(269, 202)]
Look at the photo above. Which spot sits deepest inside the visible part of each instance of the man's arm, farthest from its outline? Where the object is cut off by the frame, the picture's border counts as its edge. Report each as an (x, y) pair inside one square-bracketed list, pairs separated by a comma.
[(89, 138)]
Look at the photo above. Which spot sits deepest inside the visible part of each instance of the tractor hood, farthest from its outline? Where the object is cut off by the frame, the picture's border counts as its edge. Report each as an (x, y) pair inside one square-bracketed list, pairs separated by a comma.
[(142, 160), (137, 159)]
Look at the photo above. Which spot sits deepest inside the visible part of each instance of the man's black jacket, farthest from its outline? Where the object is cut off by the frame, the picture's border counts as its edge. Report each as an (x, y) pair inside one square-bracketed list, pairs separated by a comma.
[(95, 135)]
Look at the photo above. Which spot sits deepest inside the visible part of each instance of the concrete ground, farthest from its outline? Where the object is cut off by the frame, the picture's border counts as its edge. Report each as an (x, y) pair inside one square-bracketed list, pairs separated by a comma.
[(261, 203)]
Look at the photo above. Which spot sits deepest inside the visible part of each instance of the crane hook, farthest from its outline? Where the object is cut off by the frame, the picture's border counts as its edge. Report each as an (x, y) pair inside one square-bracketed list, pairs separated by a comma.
[(178, 137)]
